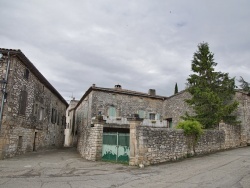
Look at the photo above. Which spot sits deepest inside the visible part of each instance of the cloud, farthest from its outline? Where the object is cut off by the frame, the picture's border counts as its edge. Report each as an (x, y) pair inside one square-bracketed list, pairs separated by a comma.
[(139, 44)]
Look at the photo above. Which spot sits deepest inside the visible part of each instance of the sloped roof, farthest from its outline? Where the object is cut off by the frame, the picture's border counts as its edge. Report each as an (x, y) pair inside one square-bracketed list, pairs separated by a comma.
[(18, 53), (120, 91)]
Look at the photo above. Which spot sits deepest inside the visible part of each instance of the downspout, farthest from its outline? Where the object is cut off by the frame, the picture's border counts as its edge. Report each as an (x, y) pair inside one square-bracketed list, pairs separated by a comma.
[(4, 88)]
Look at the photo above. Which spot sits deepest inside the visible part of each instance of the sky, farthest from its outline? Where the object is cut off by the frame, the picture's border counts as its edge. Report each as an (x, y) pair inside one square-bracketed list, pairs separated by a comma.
[(141, 45)]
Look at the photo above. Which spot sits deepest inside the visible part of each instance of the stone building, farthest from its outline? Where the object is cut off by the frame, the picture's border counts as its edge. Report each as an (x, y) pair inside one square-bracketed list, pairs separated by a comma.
[(70, 130), (32, 111), (115, 105), (102, 115)]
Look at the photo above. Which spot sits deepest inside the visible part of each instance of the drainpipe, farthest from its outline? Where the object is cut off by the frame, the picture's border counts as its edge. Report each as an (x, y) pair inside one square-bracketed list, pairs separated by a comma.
[(4, 82)]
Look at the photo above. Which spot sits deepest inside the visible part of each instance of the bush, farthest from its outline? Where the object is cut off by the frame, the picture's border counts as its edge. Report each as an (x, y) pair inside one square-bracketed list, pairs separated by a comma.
[(191, 127)]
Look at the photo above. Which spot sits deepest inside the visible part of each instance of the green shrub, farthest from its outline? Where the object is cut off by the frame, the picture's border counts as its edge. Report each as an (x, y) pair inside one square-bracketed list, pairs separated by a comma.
[(192, 128)]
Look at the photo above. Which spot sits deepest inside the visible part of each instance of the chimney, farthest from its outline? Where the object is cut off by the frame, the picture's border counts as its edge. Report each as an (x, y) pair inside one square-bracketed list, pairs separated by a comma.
[(118, 86), (151, 92), (93, 85)]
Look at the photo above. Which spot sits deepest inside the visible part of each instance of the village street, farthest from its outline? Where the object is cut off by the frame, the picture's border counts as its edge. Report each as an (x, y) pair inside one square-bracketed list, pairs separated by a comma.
[(65, 168)]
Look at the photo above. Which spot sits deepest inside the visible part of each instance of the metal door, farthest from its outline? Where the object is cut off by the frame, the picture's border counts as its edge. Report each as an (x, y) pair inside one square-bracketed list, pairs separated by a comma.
[(115, 147)]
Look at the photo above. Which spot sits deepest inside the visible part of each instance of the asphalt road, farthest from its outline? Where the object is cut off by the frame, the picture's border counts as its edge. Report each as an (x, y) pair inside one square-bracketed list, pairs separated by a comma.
[(65, 168)]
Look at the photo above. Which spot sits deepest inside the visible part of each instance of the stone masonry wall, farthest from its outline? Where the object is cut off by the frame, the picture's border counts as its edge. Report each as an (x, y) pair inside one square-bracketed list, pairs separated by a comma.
[(94, 146), (33, 130), (83, 123), (175, 107), (124, 104), (157, 145), (243, 114), (98, 101)]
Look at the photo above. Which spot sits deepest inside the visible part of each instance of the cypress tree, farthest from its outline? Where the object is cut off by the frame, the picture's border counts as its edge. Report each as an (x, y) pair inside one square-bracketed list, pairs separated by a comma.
[(212, 92), (176, 88)]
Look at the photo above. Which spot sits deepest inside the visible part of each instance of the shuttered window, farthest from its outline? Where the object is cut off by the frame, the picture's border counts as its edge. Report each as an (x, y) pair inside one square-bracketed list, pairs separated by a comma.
[(23, 102), (112, 112), (141, 114), (53, 115)]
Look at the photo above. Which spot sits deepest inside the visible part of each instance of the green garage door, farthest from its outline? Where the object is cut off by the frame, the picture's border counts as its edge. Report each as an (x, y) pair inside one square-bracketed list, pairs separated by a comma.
[(115, 147)]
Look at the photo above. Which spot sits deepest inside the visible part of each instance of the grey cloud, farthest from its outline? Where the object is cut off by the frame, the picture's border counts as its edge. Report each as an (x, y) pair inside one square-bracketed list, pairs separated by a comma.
[(140, 44)]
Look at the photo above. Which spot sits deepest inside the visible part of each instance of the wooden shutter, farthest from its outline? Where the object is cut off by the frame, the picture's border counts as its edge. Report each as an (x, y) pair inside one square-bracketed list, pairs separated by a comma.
[(141, 114), (23, 102), (112, 112)]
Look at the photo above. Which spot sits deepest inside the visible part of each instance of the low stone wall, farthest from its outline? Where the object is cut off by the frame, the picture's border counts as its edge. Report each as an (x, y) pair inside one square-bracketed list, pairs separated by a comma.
[(94, 146), (157, 145), (210, 141), (232, 136)]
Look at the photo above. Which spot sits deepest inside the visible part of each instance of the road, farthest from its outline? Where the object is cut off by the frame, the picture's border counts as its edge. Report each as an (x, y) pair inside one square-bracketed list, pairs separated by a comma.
[(64, 168)]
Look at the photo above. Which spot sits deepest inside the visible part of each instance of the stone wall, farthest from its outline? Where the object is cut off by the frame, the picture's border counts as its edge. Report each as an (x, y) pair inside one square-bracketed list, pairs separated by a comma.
[(175, 107), (99, 102), (125, 104), (94, 146), (243, 114), (32, 130), (233, 137), (83, 123), (157, 145)]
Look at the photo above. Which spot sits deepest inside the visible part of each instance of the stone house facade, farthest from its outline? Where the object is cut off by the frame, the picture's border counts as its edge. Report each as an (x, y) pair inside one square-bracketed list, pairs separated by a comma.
[(32, 110), (116, 105)]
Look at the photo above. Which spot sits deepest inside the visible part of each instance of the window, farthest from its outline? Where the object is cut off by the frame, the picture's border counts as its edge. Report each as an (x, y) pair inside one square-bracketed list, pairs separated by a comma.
[(20, 141), (35, 108), (26, 74), (41, 114), (158, 117), (58, 115), (152, 116), (112, 112), (23, 102), (169, 122), (64, 121), (53, 115), (141, 114)]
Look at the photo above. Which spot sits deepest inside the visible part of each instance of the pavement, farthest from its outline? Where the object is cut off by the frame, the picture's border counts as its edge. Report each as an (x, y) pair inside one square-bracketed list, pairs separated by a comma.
[(64, 168)]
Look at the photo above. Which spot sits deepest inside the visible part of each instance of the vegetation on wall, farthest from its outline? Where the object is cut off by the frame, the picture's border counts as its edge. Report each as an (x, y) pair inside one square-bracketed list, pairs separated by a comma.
[(212, 92), (192, 129)]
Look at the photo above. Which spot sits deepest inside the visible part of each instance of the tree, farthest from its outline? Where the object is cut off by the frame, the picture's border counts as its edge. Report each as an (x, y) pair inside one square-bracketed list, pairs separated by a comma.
[(212, 92), (176, 88), (245, 86)]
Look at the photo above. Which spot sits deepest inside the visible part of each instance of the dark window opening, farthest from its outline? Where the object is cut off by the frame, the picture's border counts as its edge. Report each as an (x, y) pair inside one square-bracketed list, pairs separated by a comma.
[(20, 141), (114, 130), (152, 116), (53, 116), (26, 74), (23, 102), (169, 122)]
